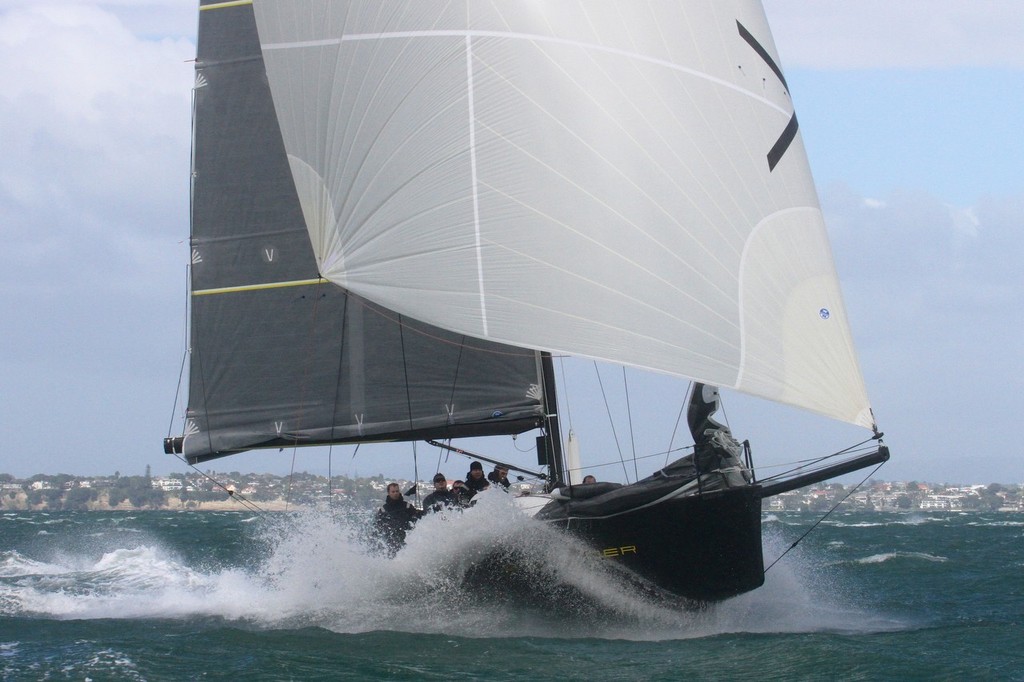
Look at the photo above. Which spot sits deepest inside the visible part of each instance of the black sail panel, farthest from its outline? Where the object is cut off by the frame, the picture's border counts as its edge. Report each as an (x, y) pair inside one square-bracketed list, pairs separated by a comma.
[(278, 355)]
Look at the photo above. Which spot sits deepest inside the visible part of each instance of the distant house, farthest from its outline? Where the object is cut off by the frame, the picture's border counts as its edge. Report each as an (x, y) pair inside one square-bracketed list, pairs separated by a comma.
[(167, 484), (950, 502)]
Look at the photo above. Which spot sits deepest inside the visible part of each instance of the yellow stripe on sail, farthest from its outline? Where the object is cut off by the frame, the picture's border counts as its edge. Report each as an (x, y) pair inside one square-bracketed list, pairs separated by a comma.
[(258, 287), (222, 5)]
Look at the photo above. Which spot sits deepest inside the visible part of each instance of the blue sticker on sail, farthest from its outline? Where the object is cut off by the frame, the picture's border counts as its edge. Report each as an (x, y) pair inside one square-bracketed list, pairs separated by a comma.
[(497, 413), (824, 313)]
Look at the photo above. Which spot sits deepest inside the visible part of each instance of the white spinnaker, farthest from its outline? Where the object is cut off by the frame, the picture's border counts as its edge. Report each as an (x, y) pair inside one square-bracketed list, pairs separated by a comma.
[(583, 177)]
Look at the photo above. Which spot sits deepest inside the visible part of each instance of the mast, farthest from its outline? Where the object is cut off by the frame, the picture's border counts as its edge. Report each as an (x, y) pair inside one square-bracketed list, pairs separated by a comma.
[(549, 446)]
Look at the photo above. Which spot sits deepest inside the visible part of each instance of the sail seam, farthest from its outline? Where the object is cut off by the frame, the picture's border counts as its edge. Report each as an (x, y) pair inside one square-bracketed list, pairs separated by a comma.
[(531, 37), (476, 195), (258, 287)]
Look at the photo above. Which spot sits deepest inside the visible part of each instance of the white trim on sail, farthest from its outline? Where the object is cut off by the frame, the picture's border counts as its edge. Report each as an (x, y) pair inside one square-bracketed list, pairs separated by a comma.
[(507, 35), (476, 196)]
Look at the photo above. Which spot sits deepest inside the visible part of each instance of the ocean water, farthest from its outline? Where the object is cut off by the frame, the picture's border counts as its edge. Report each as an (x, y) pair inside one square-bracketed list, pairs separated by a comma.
[(227, 595)]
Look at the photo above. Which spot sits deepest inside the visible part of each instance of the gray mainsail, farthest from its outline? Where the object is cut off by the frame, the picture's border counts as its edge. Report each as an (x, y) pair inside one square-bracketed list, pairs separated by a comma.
[(279, 356)]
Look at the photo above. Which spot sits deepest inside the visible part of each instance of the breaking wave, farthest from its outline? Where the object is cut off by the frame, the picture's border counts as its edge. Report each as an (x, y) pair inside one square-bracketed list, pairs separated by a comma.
[(889, 556), (319, 570)]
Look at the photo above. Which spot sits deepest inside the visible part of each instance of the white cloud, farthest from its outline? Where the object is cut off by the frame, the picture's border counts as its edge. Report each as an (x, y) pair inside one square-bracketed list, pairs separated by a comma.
[(96, 123), (95, 118), (934, 293), (898, 34)]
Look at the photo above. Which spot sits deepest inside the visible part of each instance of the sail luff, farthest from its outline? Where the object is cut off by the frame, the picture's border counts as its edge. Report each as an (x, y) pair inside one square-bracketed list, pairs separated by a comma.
[(616, 193)]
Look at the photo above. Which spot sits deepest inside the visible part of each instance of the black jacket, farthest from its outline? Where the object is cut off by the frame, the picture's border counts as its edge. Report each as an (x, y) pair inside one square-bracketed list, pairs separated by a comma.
[(392, 522), (475, 485), (440, 499), (494, 478)]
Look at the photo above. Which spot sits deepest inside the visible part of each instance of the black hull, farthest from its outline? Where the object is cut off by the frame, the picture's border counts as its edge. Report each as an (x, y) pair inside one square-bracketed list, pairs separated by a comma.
[(702, 544), (669, 536), (704, 547)]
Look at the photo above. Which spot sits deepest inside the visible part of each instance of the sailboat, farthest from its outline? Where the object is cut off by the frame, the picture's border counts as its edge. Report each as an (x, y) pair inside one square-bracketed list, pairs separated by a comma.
[(402, 211)]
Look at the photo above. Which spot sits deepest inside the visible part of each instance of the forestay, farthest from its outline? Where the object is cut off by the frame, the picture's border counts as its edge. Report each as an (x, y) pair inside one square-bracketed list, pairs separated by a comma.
[(618, 180)]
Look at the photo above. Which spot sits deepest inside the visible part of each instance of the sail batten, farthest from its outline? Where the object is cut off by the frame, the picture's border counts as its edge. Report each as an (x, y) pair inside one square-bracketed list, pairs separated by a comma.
[(629, 184), (256, 287)]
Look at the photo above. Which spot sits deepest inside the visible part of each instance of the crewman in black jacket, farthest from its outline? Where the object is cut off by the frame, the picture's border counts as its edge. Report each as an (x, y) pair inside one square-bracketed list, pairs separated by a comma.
[(441, 498), (394, 519)]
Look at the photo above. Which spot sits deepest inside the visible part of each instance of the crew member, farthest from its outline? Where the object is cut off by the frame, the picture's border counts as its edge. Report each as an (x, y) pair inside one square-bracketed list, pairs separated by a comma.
[(499, 476), (394, 519), (475, 479), (441, 497)]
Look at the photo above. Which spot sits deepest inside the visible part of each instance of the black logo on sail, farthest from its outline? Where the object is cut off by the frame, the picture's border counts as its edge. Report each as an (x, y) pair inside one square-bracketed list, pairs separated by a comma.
[(782, 144)]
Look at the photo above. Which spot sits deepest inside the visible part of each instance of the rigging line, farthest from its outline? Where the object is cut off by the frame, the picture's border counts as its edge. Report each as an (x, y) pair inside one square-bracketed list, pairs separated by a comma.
[(341, 363), (238, 497), (655, 454), (679, 418), (354, 453), (291, 475), (455, 381), (725, 415), (177, 393), (852, 449), (825, 516), (804, 469), (337, 392), (184, 358), (416, 472), (408, 403), (611, 422), (565, 390), (330, 496), (437, 467), (804, 463), (303, 387), (629, 417), (799, 465)]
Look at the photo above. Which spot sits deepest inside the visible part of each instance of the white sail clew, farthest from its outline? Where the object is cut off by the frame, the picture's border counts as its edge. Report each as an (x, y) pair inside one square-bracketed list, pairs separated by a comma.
[(584, 177)]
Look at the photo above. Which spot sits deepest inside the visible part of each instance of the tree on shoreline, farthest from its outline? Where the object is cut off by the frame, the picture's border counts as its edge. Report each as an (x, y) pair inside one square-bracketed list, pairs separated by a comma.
[(138, 490)]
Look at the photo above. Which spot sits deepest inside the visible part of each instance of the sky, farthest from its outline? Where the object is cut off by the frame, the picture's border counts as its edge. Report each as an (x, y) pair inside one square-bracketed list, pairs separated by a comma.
[(910, 112)]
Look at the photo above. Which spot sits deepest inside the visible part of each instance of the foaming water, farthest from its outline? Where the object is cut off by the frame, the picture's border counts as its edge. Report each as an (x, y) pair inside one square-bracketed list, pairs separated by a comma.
[(317, 569), (889, 556)]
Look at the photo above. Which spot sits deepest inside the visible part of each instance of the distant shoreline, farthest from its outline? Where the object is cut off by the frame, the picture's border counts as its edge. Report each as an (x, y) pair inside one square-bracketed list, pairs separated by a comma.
[(20, 503), (203, 492), (268, 493)]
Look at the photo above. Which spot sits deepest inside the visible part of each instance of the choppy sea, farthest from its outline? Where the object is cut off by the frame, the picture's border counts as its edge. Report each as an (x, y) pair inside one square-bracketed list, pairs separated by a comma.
[(235, 595)]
